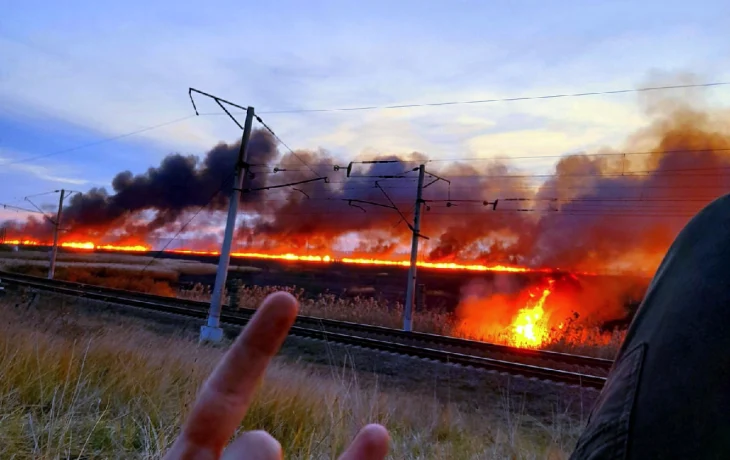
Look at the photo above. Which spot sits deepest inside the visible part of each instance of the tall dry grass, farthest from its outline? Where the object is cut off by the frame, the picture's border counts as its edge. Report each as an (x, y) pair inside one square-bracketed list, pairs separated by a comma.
[(575, 338), (159, 267), (364, 310), (158, 283), (580, 339), (74, 386), (119, 271)]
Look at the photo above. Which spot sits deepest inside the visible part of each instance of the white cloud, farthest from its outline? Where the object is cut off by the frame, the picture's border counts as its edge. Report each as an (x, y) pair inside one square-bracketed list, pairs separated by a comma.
[(56, 173), (45, 173), (118, 72)]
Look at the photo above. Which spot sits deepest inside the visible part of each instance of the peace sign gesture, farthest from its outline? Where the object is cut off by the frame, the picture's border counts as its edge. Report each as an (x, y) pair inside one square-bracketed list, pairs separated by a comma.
[(227, 394)]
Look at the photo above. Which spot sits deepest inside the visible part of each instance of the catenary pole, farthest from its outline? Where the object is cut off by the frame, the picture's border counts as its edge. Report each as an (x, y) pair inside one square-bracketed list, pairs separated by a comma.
[(212, 332), (56, 229), (408, 311)]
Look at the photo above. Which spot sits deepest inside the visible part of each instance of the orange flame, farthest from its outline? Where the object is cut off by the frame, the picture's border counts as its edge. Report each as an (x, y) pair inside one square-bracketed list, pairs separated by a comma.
[(324, 258), (109, 247), (530, 326), (523, 319), (441, 265), (22, 242), (75, 245)]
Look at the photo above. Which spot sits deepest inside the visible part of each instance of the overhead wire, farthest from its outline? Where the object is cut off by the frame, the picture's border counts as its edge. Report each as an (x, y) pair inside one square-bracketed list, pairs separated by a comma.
[(618, 213), (436, 104), (539, 157), (462, 201), (189, 221), (258, 118), (622, 203), (98, 142), (494, 100), (19, 209)]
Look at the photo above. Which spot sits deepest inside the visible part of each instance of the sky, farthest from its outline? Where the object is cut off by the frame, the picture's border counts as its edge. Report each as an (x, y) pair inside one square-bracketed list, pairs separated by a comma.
[(75, 73)]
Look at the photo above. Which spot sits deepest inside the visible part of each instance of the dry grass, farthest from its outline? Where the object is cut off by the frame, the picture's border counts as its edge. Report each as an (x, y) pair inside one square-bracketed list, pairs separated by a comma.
[(365, 310), (118, 271), (157, 283), (158, 267), (77, 256), (576, 338), (77, 386), (123, 271)]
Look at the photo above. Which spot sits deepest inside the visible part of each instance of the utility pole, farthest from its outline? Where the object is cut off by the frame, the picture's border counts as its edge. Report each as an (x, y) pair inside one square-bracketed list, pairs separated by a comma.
[(415, 228), (56, 228), (211, 332), (408, 312)]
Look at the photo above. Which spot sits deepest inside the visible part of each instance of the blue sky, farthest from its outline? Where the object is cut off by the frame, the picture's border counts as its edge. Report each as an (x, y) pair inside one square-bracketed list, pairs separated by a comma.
[(75, 72)]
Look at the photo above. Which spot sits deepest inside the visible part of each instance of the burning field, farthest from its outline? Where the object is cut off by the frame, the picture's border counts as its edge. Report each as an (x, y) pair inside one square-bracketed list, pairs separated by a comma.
[(611, 211)]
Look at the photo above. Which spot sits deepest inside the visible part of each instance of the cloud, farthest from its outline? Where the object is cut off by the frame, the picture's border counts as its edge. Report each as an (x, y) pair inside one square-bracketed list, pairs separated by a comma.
[(45, 173), (56, 173), (139, 74), (9, 214)]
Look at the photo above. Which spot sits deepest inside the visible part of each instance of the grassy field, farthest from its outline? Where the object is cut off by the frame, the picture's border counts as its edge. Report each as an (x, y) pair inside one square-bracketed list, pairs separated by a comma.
[(123, 271), (119, 271), (78, 385)]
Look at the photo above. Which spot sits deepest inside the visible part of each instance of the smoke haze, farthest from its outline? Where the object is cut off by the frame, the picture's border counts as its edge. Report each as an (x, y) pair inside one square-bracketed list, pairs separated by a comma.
[(602, 210)]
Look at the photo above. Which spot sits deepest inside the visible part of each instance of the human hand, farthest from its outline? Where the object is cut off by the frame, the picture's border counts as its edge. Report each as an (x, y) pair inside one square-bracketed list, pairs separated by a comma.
[(228, 392)]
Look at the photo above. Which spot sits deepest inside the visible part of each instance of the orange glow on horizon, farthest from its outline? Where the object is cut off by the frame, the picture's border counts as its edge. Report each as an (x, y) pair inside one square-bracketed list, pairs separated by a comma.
[(324, 258), (22, 242)]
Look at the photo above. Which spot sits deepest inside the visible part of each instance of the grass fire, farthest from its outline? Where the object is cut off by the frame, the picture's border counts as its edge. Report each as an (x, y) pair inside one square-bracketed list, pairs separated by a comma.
[(364, 230), (537, 256)]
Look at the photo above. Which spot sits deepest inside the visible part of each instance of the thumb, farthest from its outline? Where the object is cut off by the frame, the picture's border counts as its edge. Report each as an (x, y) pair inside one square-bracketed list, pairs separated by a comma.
[(253, 445), (371, 443)]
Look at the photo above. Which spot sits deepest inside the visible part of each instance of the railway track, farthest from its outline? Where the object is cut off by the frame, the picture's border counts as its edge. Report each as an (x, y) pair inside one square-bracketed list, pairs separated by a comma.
[(534, 364)]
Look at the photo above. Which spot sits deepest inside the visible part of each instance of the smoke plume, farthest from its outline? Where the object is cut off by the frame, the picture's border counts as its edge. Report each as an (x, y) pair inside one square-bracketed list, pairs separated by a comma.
[(605, 210)]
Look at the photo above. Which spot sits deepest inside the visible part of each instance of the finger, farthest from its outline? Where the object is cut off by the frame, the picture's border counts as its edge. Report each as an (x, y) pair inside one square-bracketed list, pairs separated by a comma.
[(227, 394), (371, 443), (254, 445)]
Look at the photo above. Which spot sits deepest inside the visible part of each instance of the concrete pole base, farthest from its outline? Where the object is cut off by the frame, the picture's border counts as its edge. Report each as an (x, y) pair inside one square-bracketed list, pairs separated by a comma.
[(211, 334)]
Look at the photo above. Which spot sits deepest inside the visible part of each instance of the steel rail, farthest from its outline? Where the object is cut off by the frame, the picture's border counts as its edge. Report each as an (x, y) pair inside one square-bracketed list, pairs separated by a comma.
[(316, 328)]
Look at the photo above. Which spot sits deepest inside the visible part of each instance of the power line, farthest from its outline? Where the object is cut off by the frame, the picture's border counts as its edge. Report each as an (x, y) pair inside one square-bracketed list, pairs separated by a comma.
[(607, 154), (99, 142), (559, 189), (641, 213), (619, 213), (285, 145), (586, 188), (504, 99), (42, 194), (330, 198), (721, 172), (185, 225), (621, 203), (534, 157), (289, 184), (489, 203), (633, 200), (18, 208), (374, 107)]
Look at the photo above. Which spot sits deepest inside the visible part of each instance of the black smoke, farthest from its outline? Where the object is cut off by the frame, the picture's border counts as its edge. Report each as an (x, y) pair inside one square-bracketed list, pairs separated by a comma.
[(180, 183)]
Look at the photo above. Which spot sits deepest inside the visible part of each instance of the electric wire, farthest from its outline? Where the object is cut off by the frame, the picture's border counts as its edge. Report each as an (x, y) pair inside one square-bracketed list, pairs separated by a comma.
[(94, 143), (258, 118), (188, 222), (503, 99)]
